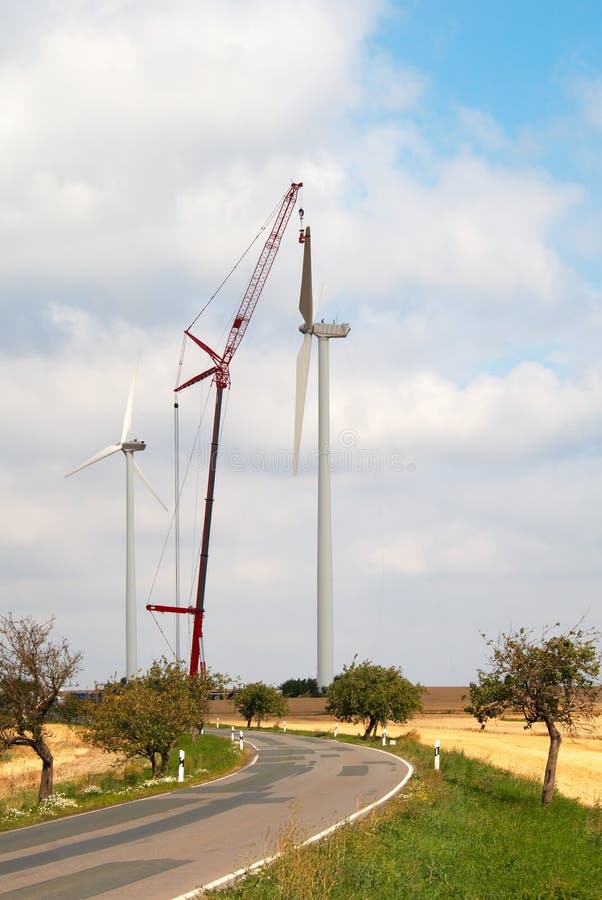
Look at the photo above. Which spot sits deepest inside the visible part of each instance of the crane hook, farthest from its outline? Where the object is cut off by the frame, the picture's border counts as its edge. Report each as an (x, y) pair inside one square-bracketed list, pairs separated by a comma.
[(301, 231)]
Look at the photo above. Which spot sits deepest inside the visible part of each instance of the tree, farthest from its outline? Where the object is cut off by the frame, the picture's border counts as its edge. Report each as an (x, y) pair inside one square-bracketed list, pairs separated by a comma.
[(73, 705), (258, 700), (145, 716), (300, 687), (552, 680), (373, 695), (33, 671)]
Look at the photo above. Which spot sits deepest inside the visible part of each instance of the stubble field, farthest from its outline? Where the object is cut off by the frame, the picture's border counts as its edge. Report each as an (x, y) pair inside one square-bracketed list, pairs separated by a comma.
[(20, 768), (504, 744)]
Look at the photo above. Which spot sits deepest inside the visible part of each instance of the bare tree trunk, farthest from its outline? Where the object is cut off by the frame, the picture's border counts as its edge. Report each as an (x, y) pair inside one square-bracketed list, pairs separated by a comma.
[(549, 780), (47, 778)]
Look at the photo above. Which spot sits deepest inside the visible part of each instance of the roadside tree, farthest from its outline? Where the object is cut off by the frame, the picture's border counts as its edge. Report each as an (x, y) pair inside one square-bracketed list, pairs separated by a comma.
[(553, 680), (258, 700), (33, 671), (145, 716), (373, 695)]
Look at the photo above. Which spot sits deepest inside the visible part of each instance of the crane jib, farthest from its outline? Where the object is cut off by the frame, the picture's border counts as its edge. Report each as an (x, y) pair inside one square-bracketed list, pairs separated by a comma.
[(251, 296), (221, 372)]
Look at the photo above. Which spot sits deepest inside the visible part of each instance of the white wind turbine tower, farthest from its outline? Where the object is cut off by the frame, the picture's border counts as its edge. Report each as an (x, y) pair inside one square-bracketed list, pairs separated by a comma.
[(128, 448), (324, 332)]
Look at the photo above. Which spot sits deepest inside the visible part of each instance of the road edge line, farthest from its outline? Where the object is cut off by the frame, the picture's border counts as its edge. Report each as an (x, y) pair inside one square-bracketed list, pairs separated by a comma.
[(199, 893)]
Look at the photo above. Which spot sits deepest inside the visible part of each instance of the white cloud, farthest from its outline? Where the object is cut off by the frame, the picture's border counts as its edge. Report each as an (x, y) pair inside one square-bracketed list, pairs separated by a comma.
[(452, 550), (472, 227), (391, 87), (142, 149), (481, 129), (589, 92), (525, 414)]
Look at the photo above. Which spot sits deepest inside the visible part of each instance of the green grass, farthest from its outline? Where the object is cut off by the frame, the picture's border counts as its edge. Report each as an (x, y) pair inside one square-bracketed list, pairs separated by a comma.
[(207, 757), (469, 831)]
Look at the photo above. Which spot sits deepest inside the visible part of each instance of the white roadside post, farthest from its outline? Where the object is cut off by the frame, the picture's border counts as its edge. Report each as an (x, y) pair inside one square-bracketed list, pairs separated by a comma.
[(284, 726), (232, 734), (217, 723), (240, 740), (336, 729), (181, 766), (384, 737), (437, 750)]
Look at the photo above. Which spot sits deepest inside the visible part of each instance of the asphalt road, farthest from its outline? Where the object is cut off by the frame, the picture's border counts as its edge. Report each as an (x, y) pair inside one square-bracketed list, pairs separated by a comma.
[(169, 845)]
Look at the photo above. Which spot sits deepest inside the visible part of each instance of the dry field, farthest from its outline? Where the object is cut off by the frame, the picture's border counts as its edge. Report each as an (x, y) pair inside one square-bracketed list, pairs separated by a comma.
[(504, 744), (20, 768), (509, 746)]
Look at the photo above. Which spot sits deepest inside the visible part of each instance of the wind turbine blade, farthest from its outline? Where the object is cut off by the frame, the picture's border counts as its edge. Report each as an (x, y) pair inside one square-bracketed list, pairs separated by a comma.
[(319, 303), (306, 303), (129, 409), (108, 451), (303, 359), (147, 483)]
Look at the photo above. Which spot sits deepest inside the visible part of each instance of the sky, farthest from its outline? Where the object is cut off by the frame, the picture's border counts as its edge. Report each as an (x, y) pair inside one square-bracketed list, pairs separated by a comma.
[(450, 156)]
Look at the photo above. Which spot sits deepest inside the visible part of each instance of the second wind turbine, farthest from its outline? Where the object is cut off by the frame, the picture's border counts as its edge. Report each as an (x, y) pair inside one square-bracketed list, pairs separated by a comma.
[(324, 332), (128, 448)]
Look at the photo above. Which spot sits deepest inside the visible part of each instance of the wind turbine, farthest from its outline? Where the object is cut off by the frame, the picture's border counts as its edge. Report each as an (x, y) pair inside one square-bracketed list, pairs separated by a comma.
[(128, 448), (324, 332)]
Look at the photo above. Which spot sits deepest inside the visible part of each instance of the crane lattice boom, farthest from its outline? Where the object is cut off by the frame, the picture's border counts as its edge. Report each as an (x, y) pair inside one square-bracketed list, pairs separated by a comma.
[(221, 369), (221, 372)]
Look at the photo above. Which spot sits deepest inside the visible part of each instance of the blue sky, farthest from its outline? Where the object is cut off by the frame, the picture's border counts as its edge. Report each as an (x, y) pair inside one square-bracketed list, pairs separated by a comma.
[(514, 60), (450, 154)]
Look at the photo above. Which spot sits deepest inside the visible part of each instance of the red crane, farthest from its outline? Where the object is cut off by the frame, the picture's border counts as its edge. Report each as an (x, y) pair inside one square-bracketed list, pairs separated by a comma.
[(220, 370)]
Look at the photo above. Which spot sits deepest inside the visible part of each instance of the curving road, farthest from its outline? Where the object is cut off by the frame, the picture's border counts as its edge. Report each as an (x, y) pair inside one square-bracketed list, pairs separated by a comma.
[(172, 844)]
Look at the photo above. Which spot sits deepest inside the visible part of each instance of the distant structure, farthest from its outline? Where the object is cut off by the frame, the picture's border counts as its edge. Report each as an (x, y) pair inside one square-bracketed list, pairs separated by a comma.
[(128, 448), (324, 332)]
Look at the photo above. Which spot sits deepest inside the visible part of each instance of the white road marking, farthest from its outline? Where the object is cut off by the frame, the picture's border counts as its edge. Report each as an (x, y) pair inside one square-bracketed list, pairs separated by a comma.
[(198, 893)]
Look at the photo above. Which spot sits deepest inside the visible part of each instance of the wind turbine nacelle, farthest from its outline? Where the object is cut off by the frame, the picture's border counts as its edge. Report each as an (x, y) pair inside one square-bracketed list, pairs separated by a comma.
[(133, 445), (331, 329)]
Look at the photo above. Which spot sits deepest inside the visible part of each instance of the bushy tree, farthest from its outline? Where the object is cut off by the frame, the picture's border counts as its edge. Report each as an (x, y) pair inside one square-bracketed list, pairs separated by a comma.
[(300, 687), (373, 695), (33, 671), (145, 716), (551, 680), (257, 700)]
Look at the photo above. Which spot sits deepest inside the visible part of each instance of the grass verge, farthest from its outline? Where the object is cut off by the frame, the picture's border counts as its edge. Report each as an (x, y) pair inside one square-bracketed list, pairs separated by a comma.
[(207, 757), (468, 831)]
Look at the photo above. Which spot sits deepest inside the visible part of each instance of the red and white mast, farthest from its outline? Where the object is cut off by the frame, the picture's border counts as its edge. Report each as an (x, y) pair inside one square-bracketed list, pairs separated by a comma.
[(220, 370)]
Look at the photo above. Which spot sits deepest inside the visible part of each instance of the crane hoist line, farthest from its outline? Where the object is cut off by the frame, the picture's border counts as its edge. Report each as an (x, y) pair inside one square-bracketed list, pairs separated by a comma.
[(220, 371)]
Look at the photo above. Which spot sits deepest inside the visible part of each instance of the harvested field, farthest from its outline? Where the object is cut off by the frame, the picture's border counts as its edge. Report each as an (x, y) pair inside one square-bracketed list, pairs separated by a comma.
[(20, 768), (505, 744)]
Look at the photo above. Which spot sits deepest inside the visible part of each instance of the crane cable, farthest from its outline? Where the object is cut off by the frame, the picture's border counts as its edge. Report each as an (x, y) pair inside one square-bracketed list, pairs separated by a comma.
[(196, 559), (239, 260), (179, 487), (171, 524)]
